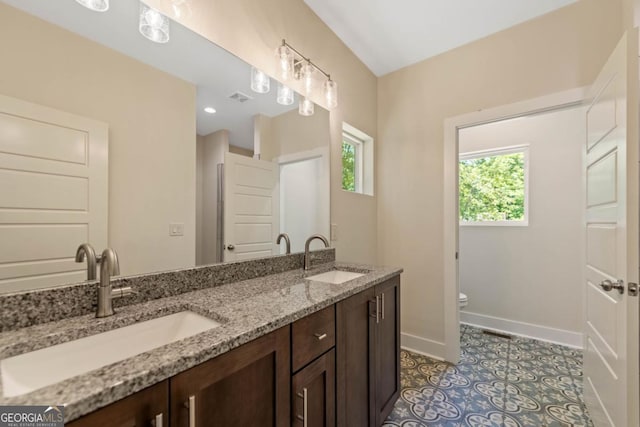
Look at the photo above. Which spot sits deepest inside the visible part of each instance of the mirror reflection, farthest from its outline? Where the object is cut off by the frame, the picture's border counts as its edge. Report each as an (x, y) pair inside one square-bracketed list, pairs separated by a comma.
[(159, 149)]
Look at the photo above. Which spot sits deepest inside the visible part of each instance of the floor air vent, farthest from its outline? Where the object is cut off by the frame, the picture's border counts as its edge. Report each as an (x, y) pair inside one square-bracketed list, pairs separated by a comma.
[(496, 334)]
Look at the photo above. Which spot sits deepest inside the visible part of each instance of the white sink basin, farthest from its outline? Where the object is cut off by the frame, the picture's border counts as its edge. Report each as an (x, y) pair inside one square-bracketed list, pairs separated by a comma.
[(335, 277), (31, 371)]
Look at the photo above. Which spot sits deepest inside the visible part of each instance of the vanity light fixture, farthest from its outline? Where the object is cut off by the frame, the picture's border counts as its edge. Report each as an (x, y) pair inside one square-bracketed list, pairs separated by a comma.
[(181, 8), (285, 61), (153, 24), (304, 69), (96, 5), (305, 108), (285, 95), (260, 82), (209, 110)]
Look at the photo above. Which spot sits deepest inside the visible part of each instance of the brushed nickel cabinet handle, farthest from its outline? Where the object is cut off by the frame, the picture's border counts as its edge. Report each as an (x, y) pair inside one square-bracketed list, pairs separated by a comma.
[(305, 397), (303, 417), (191, 404), (157, 422), (320, 336), (382, 309)]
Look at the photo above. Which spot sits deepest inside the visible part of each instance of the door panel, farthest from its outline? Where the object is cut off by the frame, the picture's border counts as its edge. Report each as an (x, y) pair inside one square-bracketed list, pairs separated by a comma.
[(388, 349), (251, 207), (611, 212), (53, 193)]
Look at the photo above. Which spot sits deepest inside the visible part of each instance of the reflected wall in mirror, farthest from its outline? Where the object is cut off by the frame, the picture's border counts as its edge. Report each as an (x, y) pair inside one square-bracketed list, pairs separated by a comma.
[(75, 82)]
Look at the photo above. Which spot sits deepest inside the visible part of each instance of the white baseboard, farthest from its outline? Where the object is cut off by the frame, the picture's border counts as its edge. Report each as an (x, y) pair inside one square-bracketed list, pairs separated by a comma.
[(426, 347), (527, 330)]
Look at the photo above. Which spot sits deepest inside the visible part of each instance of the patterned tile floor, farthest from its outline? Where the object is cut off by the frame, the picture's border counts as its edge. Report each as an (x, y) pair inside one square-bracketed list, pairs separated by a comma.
[(499, 382)]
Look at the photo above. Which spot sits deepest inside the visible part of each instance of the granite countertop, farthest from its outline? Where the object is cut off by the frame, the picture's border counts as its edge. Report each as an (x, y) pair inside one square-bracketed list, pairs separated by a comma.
[(246, 310)]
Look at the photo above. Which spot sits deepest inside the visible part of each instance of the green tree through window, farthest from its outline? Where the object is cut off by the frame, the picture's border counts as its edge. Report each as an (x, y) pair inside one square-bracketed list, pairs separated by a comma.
[(492, 188), (348, 167)]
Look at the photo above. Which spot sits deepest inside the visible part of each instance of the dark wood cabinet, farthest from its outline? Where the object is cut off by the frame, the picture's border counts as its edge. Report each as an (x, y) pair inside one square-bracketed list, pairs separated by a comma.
[(312, 336), (149, 407), (355, 326), (313, 393), (368, 355), (387, 349), (338, 366), (246, 387)]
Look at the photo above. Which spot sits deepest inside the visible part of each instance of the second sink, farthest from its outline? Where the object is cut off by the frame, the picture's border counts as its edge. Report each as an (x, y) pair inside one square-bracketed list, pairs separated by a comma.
[(30, 371), (335, 277)]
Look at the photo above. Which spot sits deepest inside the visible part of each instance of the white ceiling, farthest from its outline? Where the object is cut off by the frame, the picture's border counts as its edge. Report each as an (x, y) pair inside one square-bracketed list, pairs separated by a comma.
[(215, 72), (390, 34)]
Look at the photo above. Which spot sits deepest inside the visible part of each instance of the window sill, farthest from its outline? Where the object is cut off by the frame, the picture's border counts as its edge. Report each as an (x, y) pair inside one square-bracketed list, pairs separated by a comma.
[(524, 223), (356, 193)]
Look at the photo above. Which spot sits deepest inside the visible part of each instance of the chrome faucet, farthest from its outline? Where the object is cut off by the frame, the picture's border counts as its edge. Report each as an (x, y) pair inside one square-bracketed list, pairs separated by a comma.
[(307, 258), (85, 250), (108, 266), (284, 236)]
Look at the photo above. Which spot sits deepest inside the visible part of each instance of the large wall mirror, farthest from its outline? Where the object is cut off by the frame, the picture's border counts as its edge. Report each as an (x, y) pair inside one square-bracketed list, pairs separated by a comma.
[(161, 151)]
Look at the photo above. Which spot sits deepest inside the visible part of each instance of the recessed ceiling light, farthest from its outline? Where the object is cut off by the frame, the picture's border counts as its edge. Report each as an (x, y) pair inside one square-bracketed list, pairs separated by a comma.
[(210, 110)]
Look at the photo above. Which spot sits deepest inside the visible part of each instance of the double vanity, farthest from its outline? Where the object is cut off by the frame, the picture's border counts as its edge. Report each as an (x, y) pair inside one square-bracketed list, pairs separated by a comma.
[(259, 342)]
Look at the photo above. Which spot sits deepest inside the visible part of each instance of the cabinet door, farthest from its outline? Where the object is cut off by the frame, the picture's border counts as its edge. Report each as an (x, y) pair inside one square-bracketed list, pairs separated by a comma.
[(355, 321), (246, 387), (145, 408), (314, 393), (387, 353)]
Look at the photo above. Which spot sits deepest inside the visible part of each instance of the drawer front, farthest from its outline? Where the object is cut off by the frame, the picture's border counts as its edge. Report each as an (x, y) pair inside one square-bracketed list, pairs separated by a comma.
[(312, 336)]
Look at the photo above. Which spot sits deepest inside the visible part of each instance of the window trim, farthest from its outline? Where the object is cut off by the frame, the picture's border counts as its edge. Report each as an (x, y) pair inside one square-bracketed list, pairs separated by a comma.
[(493, 152)]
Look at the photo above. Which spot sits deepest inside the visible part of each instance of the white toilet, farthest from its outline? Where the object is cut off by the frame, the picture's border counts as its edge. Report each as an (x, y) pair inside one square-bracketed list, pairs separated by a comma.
[(462, 300)]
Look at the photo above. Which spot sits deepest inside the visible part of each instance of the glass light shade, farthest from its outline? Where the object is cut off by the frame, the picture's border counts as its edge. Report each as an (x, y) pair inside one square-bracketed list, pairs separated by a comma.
[(260, 82), (331, 92), (153, 24), (97, 5), (305, 108), (285, 95), (285, 62), (306, 74), (181, 8)]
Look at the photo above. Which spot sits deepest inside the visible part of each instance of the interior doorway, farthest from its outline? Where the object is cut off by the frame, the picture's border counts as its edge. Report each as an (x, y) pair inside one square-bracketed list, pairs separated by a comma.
[(521, 240), (453, 128)]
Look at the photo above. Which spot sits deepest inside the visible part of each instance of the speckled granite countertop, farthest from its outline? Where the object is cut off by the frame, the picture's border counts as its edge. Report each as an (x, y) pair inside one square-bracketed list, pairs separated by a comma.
[(246, 310)]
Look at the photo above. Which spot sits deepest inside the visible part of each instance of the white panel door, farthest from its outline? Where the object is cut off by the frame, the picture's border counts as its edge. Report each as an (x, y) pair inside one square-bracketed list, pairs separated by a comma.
[(251, 207), (611, 174), (53, 193)]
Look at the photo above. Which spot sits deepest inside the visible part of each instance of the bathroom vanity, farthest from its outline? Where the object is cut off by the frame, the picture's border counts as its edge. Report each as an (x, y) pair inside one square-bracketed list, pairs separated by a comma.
[(286, 349)]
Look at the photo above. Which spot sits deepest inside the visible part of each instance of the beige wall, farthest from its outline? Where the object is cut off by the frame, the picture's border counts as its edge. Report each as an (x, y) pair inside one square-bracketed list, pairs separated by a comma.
[(151, 118), (290, 133), (241, 151), (252, 30), (558, 51), (531, 274)]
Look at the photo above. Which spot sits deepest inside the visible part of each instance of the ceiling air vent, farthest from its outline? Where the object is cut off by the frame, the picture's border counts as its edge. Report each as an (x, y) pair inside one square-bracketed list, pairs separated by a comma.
[(240, 97)]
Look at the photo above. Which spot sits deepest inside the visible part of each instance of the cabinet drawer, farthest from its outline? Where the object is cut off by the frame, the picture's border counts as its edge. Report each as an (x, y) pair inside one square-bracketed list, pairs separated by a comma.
[(312, 336)]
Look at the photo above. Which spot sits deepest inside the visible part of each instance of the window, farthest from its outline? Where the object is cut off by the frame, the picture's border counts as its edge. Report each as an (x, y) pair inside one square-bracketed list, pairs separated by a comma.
[(351, 163), (357, 161), (493, 187)]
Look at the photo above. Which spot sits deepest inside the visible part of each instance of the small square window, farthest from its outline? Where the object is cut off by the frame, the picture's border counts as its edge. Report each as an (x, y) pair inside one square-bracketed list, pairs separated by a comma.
[(357, 161), (493, 187)]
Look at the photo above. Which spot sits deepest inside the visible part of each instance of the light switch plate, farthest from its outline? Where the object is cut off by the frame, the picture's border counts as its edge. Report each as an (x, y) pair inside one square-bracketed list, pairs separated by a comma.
[(334, 232), (176, 229)]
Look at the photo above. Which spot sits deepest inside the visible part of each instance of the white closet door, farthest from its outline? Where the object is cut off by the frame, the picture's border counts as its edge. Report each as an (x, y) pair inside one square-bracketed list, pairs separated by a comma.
[(53, 193), (611, 174), (251, 207)]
